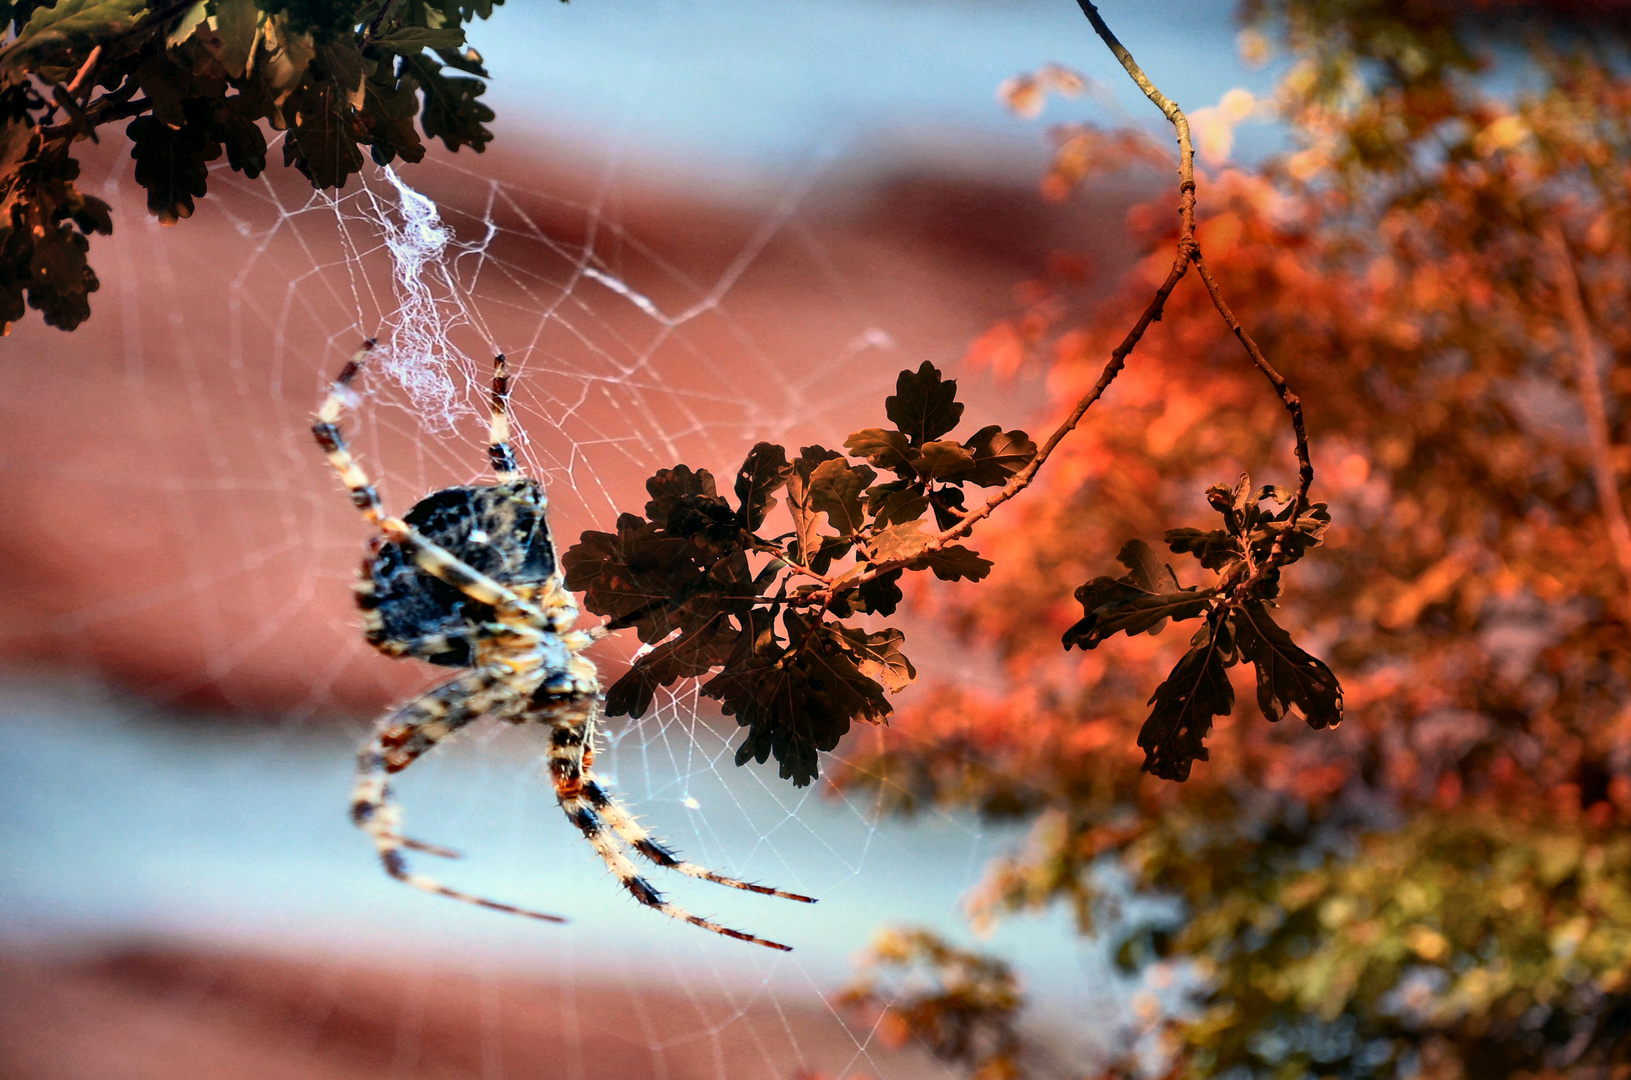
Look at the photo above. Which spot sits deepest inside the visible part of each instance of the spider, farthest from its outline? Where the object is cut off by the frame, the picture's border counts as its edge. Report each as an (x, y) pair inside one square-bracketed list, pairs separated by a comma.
[(469, 579)]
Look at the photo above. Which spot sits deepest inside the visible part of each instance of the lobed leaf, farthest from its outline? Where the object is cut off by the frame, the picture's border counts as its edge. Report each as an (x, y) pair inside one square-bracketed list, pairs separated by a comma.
[(1138, 603), (692, 653), (806, 518), (924, 405), (1198, 689), (171, 165), (1215, 548), (408, 40), (321, 141), (453, 110), (1287, 677), (836, 490), (765, 471), (879, 657), (895, 503), (798, 701), (884, 449), (944, 460), (998, 455)]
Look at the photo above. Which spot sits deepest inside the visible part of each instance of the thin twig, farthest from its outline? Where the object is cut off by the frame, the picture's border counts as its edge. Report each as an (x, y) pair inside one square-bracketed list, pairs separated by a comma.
[(84, 73), (1590, 385), (1188, 253)]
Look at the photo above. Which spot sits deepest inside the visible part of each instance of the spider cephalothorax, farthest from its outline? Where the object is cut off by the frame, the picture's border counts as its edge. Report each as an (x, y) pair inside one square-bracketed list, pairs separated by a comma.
[(469, 579)]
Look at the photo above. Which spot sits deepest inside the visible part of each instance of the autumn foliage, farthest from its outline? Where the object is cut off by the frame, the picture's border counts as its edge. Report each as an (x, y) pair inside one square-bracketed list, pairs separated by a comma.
[(1441, 266)]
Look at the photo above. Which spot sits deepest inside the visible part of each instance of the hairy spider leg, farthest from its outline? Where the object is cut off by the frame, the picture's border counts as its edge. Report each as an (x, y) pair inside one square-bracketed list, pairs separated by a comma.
[(572, 723), (326, 430), (498, 439), (398, 740), (635, 835)]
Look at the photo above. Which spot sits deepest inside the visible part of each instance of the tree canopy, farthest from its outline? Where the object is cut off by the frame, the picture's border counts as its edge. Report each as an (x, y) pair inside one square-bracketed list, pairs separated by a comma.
[(1442, 265), (195, 79)]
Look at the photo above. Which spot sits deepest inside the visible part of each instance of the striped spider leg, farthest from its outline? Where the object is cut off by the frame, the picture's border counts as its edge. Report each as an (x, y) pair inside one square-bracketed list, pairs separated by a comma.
[(468, 578)]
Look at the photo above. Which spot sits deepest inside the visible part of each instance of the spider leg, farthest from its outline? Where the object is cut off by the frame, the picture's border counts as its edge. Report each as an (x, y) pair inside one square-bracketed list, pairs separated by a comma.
[(635, 835), (326, 429), (397, 741), (498, 440), (572, 723)]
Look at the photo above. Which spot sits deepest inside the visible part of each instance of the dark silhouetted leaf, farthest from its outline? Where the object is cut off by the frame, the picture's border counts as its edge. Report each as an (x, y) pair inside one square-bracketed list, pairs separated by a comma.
[(1174, 736), (879, 656), (764, 472), (693, 653), (924, 405), (1137, 613), (408, 40), (389, 108), (884, 449), (881, 595), (1287, 677), (453, 109), (811, 548), (948, 506), (954, 563), (944, 460), (244, 142), (836, 490), (799, 701), (896, 503), (171, 165), (322, 140), (1215, 548), (1138, 603), (998, 455)]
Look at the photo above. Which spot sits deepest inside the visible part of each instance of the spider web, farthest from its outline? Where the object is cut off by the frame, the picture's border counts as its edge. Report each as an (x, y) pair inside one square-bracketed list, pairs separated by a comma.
[(643, 328)]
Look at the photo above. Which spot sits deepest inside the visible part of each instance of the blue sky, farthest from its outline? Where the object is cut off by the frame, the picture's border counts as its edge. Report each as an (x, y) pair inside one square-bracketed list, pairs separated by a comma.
[(774, 84)]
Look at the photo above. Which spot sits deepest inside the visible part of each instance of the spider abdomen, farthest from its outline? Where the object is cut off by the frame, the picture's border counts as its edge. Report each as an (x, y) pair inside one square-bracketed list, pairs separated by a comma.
[(500, 530)]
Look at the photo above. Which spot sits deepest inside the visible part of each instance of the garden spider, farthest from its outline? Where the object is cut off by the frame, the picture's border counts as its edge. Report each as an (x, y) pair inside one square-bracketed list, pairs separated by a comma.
[(468, 578)]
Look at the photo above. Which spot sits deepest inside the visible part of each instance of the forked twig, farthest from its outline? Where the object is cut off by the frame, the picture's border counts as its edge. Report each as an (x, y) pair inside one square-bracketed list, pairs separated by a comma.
[(1188, 253)]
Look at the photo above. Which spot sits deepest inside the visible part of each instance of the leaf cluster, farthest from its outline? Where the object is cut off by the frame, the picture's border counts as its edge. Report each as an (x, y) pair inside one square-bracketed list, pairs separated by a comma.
[(763, 617), (1237, 626), (961, 1006), (196, 81)]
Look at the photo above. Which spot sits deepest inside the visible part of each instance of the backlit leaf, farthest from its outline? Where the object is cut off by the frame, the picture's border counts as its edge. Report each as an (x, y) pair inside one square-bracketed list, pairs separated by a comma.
[(924, 405), (998, 455), (1287, 677), (1174, 736)]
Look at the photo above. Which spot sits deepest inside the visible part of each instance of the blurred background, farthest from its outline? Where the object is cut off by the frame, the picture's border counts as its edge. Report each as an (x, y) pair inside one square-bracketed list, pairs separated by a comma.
[(806, 198), (705, 223)]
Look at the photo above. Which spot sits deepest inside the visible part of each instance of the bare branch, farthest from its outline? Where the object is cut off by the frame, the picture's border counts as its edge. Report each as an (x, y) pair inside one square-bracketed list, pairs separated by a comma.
[(1590, 384), (1188, 253)]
